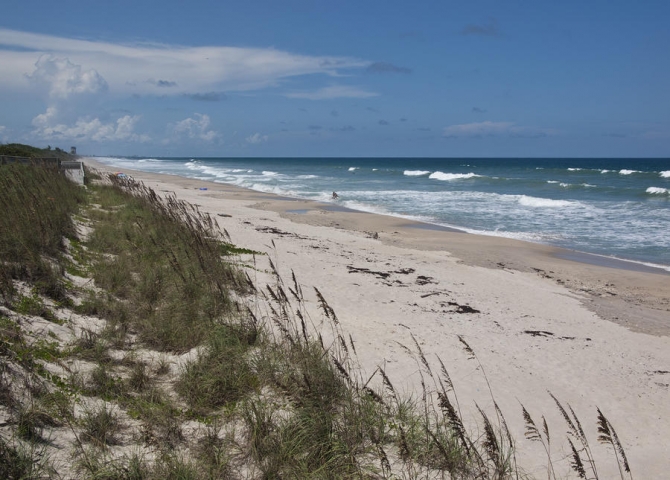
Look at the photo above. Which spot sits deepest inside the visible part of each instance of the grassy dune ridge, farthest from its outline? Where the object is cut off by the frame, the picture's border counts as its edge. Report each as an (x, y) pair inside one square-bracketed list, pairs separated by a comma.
[(135, 344)]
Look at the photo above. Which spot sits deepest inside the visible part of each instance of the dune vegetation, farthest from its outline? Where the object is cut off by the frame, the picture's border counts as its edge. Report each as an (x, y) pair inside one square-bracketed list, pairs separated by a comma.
[(135, 343)]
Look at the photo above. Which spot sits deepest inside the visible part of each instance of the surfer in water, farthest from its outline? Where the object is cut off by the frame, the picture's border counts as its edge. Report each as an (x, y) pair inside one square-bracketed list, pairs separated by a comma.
[(335, 196)]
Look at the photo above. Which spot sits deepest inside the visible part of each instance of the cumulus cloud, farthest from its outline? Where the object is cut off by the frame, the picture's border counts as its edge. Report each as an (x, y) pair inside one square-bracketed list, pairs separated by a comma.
[(129, 68), (195, 128), (47, 127), (335, 91), (489, 29), (64, 78), (385, 67), (493, 129)]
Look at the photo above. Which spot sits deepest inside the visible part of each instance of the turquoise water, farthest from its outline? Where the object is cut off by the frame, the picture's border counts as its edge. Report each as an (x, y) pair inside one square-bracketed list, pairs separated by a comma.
[(612, 207)]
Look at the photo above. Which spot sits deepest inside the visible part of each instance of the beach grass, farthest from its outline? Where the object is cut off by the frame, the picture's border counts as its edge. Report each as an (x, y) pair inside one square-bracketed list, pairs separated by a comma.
[(190, 370)]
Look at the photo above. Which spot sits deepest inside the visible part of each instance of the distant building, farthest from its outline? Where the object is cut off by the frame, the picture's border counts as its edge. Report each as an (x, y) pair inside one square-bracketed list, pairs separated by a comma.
[(73, 150)]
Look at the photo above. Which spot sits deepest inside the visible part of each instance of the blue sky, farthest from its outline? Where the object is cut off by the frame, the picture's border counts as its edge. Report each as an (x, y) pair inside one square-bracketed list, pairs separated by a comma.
[(345, 78)]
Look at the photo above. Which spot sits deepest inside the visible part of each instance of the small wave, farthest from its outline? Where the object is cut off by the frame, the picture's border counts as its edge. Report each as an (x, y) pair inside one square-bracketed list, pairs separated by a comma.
[(351, 169), (306, 177), (588, 185), (657, 191), (605, 171), (665, 174), (553, 181), (527, 201), (451, 176), (415, 173), (627, 172), (571, 169), (269, 173), (565, 185)]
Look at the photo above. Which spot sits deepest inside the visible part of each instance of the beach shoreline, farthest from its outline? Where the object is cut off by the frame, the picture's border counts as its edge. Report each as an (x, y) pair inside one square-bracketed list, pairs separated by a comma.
[(591, 334), (610, 283)]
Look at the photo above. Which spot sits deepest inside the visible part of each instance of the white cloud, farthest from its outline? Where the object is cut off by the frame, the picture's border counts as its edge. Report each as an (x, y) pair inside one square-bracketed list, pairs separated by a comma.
[(493, 129), (47, 127), (336, 91), (43, 120), (148, 68), (256, 138), (195, 128), (63, 78)]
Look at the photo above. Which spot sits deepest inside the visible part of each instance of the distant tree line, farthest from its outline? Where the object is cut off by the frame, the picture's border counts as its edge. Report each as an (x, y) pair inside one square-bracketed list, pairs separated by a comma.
[(21, 150)]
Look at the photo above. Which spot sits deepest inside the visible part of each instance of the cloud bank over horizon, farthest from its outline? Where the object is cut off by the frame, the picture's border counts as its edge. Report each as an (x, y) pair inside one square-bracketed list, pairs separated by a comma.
[(152, 69)]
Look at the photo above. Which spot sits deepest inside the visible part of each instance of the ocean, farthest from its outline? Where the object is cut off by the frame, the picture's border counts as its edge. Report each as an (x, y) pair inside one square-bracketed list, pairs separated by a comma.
[(612, 207)]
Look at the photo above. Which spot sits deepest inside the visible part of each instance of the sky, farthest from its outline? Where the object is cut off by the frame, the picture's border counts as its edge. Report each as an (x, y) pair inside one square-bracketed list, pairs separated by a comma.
[(222, 78)]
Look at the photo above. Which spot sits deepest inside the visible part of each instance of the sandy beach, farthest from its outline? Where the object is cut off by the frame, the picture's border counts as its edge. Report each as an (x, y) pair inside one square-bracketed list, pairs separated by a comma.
[(593, 331)]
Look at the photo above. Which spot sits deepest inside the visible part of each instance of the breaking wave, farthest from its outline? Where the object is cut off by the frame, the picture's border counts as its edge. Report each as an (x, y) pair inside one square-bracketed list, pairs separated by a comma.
[(451, 176)]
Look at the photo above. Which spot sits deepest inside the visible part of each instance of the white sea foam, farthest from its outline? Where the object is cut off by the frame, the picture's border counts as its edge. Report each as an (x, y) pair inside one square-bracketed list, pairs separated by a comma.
[(351, 169), (588, 185), (259, 187), (307, 177), (627, 172), (665, 174), (214, 172), (657, 191), (527, 201), (553, 181), (525, 236), (565, 185), (574, 169), (605, 171), (636, 262), (269, 173), (451, 176), (415, 173)]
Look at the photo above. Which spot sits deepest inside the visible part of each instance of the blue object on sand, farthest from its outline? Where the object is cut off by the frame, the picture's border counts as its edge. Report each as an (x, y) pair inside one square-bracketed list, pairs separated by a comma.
[(203, 188)]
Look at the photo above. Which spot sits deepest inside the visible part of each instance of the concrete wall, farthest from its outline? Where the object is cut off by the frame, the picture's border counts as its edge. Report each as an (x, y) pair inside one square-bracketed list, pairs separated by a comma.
[(73, 170)]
